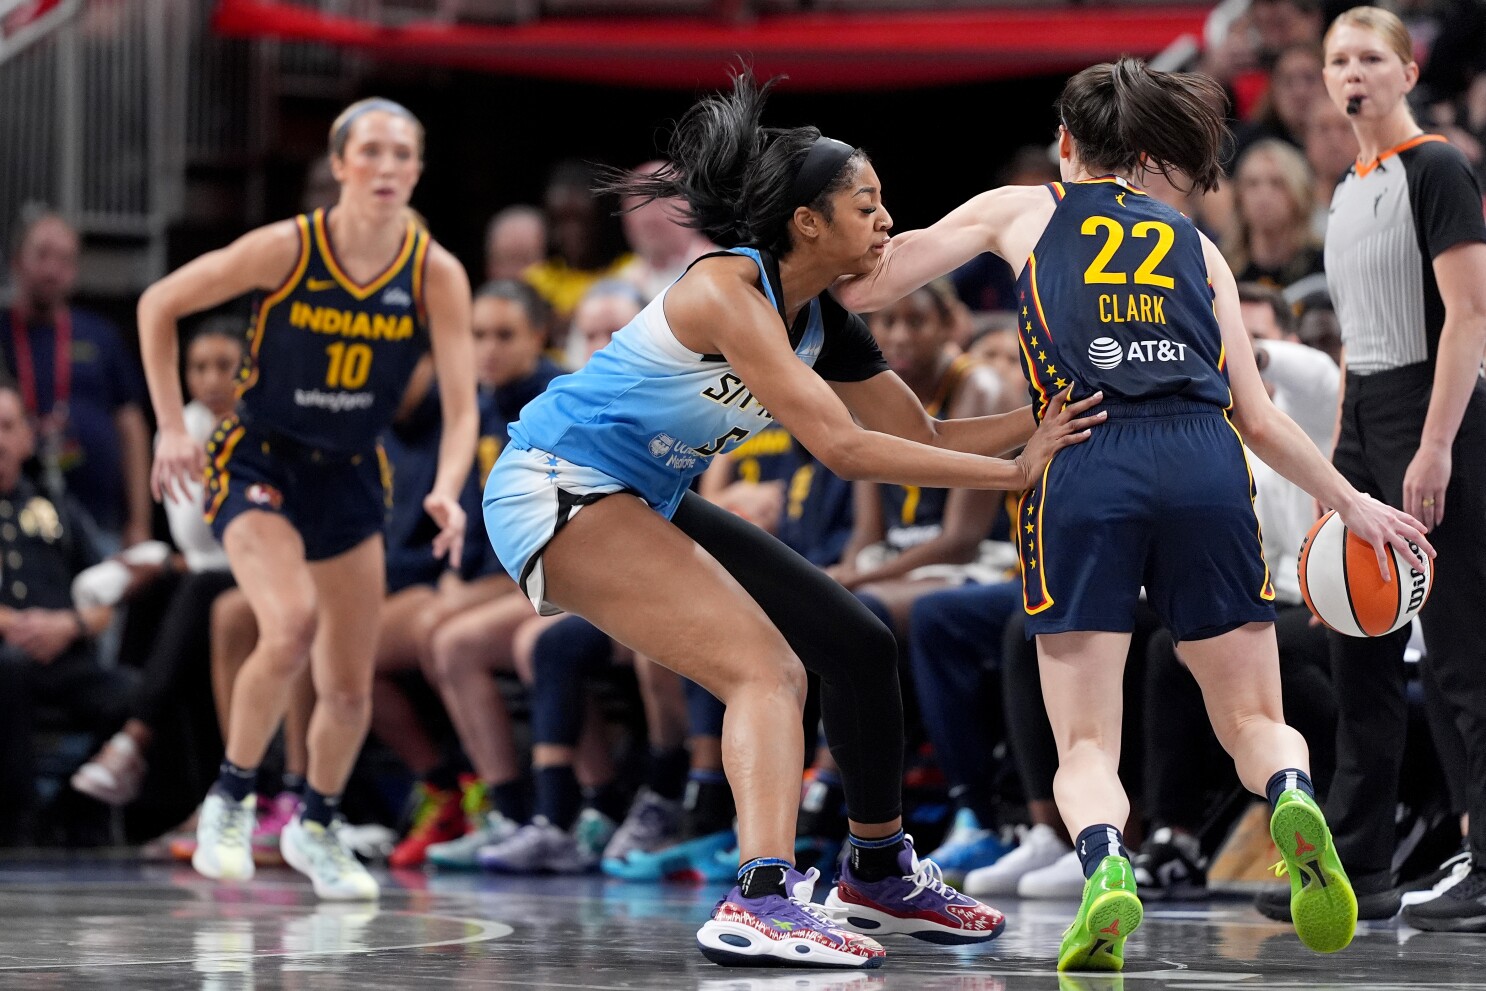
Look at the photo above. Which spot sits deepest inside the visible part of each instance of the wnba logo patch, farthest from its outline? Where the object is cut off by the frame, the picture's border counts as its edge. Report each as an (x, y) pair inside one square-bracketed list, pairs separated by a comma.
[(264, 495), (1105, 352)]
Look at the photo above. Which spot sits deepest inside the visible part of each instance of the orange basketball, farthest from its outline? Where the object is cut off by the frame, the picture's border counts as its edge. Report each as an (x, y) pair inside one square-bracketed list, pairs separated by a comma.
[(1341, 583)]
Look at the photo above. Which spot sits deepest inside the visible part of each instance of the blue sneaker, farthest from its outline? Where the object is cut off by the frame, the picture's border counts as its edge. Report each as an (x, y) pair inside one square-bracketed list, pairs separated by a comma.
[(713, 857), (783, 931), (968, 847)]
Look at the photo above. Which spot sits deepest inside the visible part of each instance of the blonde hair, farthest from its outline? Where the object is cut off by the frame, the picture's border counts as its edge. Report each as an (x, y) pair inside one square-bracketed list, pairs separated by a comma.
[(1296, 173), (340, 129), (1384, 23)]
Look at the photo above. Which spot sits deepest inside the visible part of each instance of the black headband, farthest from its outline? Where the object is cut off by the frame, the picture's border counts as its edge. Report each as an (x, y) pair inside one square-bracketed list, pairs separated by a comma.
[(822, 162), (338, 139)]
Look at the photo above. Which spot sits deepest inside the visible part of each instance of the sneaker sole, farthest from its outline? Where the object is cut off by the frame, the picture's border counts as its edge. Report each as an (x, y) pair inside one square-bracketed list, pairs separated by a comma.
[(732, 944), (1111, 920), (214, 871), (875, 922), (292, 858), (1323, 906), (1424, 923)]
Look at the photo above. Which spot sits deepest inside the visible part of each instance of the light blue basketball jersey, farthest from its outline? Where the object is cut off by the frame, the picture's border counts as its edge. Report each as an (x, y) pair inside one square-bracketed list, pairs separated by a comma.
[(649, 412)]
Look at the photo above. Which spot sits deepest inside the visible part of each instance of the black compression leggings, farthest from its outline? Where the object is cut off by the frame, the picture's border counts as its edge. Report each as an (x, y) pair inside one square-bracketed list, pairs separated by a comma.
[(835, 637)]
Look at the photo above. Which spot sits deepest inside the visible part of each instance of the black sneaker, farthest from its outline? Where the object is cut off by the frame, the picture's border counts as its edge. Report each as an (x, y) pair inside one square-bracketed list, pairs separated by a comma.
[(1461, 908), (1449, 868), (1377, 905), (1170, 866)]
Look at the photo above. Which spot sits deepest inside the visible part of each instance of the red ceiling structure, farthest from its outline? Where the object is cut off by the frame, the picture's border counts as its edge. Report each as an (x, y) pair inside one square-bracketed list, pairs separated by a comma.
[(820, 51)]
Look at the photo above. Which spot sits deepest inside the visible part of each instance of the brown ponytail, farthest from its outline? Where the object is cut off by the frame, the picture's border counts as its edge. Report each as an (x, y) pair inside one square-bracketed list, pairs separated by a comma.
[(1128, 118)]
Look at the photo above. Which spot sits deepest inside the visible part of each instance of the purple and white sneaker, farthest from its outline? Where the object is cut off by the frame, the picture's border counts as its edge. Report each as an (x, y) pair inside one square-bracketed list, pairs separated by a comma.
[(775, 931), (915, 903)]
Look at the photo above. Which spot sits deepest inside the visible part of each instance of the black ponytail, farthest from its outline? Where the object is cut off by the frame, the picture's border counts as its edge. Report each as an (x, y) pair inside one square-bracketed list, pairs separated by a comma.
[(1128, 118), (736, 175)]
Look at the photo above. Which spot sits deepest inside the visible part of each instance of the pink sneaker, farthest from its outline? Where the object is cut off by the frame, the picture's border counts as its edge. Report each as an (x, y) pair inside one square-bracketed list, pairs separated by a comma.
[(273, 814)]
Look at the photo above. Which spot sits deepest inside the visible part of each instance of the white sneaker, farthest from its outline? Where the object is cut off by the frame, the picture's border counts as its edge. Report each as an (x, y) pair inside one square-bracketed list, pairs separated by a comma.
[(540, 847), (1062, 879), (460, 854), (1040, 847), (224, 838), (321, 855)]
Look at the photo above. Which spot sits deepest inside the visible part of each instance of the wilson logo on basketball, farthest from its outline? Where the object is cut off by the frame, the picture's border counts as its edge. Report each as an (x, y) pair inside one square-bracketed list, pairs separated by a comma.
[(1343, 585)]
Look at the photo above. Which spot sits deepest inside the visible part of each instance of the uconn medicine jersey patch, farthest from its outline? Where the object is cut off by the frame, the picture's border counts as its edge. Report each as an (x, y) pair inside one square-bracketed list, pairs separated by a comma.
[(1116, 297), (329, 359), (650, 413)]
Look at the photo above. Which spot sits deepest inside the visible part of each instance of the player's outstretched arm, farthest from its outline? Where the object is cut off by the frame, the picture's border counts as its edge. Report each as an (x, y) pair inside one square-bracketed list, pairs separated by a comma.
[(991, 221), (1286, 448), (262, 259), (448, 300)]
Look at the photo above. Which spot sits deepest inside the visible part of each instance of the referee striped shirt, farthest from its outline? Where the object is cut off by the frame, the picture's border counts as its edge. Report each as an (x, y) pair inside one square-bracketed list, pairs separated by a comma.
[(1389, 220)]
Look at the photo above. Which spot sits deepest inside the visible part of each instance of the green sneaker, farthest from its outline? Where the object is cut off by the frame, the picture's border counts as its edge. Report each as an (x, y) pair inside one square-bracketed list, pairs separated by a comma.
[(1110, 912), (1322, 903)]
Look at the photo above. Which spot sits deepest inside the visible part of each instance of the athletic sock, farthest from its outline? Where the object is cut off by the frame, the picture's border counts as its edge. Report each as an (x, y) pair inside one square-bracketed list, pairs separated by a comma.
[(510, 800), (763, 876), (1097, 842), (875, 859), (707, 807), (1285, 780), (559, 799), (667, 771), (235, 782), (318, 807)]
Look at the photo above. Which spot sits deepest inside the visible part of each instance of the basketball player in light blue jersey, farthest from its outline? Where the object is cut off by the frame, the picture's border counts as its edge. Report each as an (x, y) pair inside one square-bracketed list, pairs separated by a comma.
[(589, 510), (296, 483), (1122, 294)]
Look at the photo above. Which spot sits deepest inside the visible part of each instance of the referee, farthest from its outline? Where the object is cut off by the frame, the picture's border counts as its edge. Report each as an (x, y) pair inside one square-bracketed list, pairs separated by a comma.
[(1406, 266)]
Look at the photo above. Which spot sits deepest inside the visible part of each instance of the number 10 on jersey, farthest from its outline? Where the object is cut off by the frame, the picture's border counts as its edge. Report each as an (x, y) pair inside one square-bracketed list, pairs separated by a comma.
[(350, 365)]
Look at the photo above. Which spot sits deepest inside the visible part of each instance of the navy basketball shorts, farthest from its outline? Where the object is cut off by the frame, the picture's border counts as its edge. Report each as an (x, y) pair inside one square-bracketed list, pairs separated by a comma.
[(335, 499), (1159, 497)]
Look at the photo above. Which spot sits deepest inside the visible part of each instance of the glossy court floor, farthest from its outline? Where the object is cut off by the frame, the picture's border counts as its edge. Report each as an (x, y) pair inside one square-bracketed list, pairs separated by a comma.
[(100, 925)]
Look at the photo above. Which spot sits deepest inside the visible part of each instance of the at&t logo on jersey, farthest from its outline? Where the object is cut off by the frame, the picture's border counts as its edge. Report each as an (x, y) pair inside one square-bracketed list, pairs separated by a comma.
[(1106, 352)]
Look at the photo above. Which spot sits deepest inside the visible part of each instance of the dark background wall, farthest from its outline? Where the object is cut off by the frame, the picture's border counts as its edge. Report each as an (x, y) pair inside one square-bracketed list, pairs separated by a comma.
[(492, 140)]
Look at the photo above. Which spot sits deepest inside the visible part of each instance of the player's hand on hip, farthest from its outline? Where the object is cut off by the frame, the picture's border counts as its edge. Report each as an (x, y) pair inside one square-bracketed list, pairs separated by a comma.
[(1063, 424), (1424, 485), (1383, 526), (179, 459), (450, 517)]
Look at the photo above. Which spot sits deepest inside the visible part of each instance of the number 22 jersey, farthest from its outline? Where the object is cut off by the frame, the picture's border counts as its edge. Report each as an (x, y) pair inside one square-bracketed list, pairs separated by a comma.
[(1116, 297)]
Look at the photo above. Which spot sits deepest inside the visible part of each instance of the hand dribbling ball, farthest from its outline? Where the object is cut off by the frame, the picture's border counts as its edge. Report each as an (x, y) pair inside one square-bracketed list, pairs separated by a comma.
[(1340, 581)]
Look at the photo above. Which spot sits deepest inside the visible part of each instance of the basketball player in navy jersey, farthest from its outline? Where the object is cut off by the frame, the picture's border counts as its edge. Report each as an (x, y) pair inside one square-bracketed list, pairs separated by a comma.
[(1119, 293), (589, 509), (296, 486)]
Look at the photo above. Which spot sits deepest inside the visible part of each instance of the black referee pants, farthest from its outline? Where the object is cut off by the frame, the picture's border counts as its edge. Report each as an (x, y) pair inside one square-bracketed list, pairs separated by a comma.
[(1382, 421)]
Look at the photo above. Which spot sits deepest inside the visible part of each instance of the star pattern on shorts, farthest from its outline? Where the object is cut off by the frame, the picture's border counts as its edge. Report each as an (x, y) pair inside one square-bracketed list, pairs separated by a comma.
[(552, 477), (551, 461)]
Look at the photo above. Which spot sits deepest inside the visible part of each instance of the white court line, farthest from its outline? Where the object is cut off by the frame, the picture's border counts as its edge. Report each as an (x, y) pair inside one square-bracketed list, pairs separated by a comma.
[(489, 931)]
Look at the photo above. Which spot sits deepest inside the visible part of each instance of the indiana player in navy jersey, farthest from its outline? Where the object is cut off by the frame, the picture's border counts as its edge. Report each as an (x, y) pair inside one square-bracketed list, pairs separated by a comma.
[(1122, 294), (296, 490), (589, 509)]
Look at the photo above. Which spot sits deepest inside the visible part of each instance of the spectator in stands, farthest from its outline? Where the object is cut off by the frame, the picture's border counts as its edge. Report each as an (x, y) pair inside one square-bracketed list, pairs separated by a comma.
[(585, 244), (81, 387), (899, 529), (986, 282), (1270, 240), (1280, 24), (115, 773), (515, 240), (48, 666), (1301, 380), (604, 309), (508, 322), (1294, 87), (662, 243), (1330, 150)]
